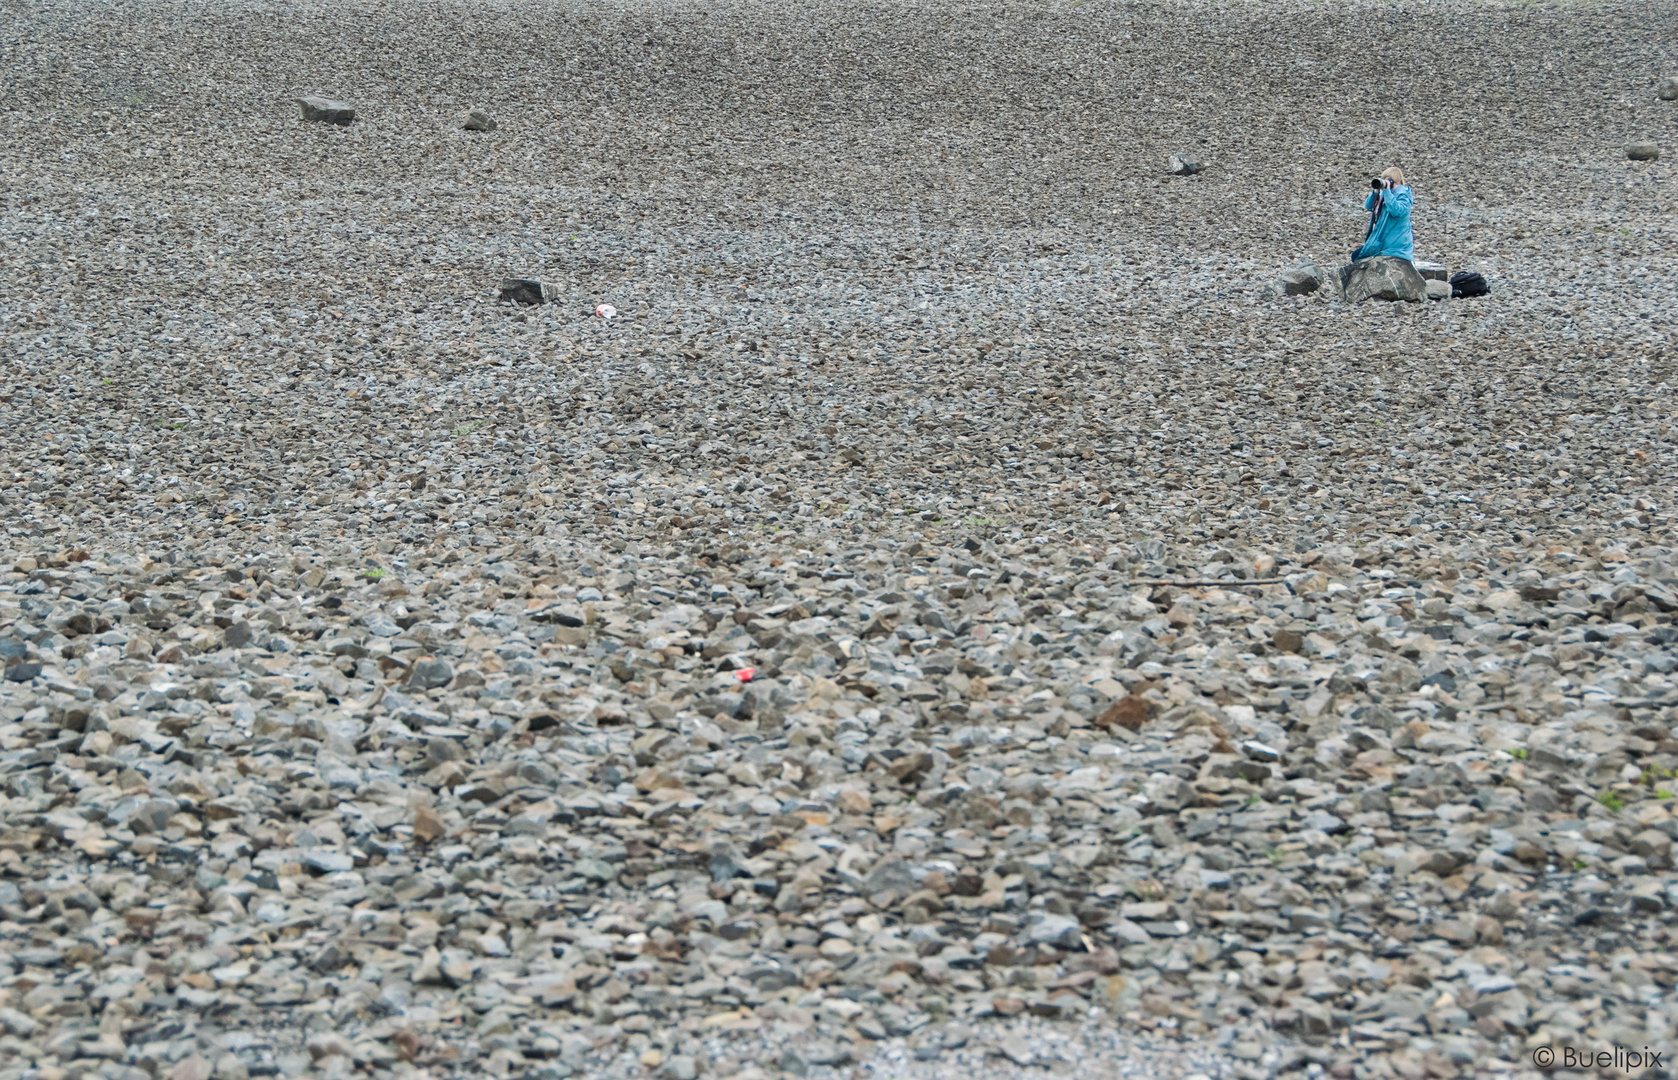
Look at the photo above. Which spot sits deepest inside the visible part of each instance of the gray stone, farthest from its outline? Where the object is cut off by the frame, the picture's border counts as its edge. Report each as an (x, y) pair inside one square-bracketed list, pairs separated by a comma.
[(328, 861), (430, 673), (1668, 89), (681, 1067), (527, 290), (152, 816), (1652, 844), (890, 875), (827, 1054), (1438, 290), (238, 635), (1018, 1051), (1643, 151), (723, 867), (1301, 279), (326, 110), (1060, 931), (772, 979), (477, 120), (1432, 271), (1182, 166), (1384, 277), (1129, 932), (380, 625), (22, 671)]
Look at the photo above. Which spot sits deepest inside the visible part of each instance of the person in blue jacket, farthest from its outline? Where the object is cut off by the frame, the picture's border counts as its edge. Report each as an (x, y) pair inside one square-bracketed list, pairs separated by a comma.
[(1389, 231)]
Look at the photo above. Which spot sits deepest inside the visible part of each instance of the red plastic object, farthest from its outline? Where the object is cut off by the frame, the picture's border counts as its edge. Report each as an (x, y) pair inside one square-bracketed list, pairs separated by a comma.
[(746, 674)]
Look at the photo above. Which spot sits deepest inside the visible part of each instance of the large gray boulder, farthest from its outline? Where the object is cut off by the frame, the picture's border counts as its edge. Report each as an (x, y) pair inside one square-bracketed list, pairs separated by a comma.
[(1432, 271), (1643, 151), (1385, 277), (477, 120), (1668, 90), (326, 111)]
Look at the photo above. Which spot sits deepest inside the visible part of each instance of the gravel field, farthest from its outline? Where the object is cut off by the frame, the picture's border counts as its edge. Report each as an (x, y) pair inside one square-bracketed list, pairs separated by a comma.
[(957, 620)]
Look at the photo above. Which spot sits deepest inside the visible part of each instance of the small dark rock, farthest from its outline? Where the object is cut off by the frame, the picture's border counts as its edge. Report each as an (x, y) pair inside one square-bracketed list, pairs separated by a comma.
[(22, 671), (326, 110), (526, 291)]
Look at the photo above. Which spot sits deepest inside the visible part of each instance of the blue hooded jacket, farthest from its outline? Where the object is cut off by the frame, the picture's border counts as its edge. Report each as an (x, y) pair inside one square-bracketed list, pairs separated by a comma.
[(1391, 235)]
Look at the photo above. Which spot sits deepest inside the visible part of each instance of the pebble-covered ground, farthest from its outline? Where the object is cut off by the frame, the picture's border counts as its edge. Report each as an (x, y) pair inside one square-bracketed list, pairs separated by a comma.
[(956, 620)]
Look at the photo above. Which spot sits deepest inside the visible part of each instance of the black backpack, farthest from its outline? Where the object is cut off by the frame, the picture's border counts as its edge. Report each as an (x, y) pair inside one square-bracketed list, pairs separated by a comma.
[(1467, 283)]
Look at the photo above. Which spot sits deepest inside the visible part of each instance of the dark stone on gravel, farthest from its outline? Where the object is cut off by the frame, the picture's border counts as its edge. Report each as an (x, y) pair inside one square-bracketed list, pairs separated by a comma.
[(326, 111), (477, 120), (527, 291), (1643, 151), (1301, 279), (1182, 166), (22, 671)]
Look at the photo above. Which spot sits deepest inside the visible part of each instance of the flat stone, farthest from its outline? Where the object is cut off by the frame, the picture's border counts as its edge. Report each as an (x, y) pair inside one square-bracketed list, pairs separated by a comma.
[(477, 120), (327, 860), (1018, 1051), (326, 110), (1643, 151), (1058, 930)]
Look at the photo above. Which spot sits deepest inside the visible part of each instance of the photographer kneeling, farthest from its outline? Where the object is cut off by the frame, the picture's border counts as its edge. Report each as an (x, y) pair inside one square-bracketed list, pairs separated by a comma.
[(1389, 222)]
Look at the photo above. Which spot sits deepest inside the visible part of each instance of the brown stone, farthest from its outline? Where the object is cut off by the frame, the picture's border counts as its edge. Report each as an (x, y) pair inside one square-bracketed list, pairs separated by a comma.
[(427, 825), (852, 801), (1129, 712)]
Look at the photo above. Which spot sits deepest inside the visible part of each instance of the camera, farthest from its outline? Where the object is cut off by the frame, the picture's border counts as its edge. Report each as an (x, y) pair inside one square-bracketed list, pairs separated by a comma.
[(1378, 184)]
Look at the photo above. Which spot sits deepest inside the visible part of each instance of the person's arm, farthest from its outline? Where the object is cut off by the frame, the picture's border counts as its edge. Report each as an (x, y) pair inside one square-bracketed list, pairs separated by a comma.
[(1399, 200), (1370, 200)]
